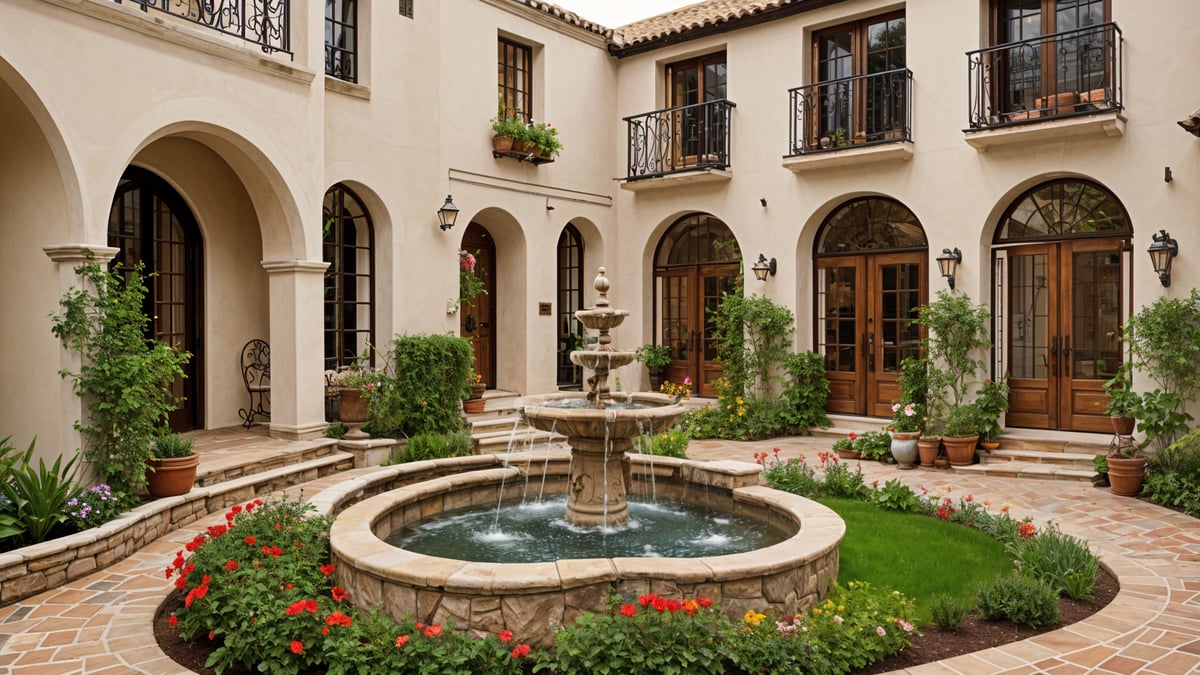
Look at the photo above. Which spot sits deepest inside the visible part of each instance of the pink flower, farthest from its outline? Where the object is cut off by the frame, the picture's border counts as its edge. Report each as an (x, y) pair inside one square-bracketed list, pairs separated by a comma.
[(838, 619), (687, 380), (880, 631)]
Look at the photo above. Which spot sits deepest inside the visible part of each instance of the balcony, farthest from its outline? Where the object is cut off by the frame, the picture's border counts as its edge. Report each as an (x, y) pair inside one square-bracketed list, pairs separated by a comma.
[(688, 144), (264, 23), (1065, 84), (851, 120)]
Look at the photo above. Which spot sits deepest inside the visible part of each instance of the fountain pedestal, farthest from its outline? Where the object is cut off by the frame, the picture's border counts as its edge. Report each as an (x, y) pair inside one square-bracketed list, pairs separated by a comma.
[(596, 496)]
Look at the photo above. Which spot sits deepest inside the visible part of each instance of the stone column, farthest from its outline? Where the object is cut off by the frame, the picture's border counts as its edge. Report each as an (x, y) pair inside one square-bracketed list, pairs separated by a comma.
[(297, 348), (596, 495), (71, 406)]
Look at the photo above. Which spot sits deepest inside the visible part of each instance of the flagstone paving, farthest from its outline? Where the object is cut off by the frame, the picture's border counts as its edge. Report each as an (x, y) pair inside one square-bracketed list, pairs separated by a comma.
[(102, 623)]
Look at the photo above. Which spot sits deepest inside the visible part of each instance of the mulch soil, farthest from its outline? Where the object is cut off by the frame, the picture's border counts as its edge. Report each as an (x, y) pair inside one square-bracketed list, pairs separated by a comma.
[(932, 645)]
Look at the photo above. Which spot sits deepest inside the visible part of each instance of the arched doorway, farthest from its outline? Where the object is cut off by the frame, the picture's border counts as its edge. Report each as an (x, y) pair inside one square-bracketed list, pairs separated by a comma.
[(476, 319), (348, 246), (151, 224), (870, 264), (1062, 270), (697, 262), (570, 300)]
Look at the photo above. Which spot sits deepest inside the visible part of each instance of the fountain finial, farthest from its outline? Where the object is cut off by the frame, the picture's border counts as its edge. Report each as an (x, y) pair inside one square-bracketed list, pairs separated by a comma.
[(602, 285)]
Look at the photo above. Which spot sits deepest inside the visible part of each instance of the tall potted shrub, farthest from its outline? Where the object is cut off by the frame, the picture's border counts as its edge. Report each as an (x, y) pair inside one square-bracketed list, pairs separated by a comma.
[(125, 377), (956, 333), (1123, 401), (914, 388), (172, 469), (655, 358)]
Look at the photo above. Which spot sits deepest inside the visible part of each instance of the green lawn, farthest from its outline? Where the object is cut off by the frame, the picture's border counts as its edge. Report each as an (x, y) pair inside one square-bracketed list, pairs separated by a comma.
[(915, 554)]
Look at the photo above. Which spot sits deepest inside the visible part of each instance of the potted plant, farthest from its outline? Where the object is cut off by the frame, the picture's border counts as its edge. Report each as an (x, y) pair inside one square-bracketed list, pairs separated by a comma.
[(1123, 401), (355, 385), (655, 358), (990, 404), (171, 467), (844, 447), (1126, 467), (475, 403), (914, 388), (509, 129), (544, 139), (956, 333), (905, 428)]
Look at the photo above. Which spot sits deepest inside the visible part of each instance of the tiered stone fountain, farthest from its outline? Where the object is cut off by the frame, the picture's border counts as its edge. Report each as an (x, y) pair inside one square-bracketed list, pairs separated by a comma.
[(601, 432)]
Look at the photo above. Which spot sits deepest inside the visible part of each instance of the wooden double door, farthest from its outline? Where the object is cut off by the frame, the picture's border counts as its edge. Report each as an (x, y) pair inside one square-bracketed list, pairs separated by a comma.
[(689, 300), (866, 306), (476, 319), (1061, 333)]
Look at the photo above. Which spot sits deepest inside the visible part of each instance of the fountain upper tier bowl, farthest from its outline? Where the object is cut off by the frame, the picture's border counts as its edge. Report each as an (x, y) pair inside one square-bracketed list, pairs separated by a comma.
[(632, 415)]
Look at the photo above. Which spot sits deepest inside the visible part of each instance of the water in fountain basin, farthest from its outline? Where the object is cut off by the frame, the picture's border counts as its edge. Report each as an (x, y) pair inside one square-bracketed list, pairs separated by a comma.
[(537, 532)]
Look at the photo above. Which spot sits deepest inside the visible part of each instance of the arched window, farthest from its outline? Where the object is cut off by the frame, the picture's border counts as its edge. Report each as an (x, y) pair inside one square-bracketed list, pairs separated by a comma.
[(570, 300), (1063, 209), (870, 224), (348, 247)]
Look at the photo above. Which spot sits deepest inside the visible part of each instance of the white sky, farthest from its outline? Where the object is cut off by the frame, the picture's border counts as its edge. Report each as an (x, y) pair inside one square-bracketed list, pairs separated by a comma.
[(613, 13)]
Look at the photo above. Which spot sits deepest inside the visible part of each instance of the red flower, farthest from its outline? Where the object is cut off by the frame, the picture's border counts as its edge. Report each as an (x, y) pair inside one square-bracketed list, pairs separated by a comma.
[(506, 635), (644, 600), (704, 602), (297, 646), (401, 640), (178, 563), (853, 435), (433, 631), (327, 569), (337, 619), (338, 593), (212, 634), (250, 540), (174, 620), (420, 626), (628, 609), (325, 630), (231, 565), (659, 604), (215, 531), (520, 650), (289, 586), (181, 582)]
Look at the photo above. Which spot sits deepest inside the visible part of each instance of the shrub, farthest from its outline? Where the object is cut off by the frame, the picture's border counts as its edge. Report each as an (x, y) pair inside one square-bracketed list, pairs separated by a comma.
[(38, 496), (434, 446), (125, 378), (875, 445), (1020, 599), (840, 481), (948, 611), (1173, 475), (1164, 342), (896, 496), (170, 446), (1064, 562), (806, 390), (670, 443), (794, 475), (422, 386)]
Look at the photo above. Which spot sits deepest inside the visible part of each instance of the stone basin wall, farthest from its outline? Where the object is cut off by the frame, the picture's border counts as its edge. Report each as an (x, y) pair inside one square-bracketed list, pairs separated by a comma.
[(534, 599)]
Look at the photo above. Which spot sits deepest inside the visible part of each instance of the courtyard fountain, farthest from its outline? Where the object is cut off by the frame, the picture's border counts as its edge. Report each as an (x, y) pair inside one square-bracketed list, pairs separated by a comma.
[(787, 572)]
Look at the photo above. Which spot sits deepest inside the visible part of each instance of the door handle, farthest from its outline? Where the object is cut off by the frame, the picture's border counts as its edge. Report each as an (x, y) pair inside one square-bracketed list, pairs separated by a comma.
[(1054, 356), (871, 351), (1066, 352)]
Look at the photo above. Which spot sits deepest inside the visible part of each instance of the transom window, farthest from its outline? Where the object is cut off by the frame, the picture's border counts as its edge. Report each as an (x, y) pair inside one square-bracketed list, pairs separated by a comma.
[(870, 224), (698, 240), (341, 41), (1062, 209), (515, 77), (350, 278)]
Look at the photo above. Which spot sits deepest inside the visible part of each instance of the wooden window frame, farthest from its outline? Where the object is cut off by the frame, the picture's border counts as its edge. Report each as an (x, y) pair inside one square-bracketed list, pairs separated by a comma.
[(335, 237), (345, 54), (406, 8), (511, 96)]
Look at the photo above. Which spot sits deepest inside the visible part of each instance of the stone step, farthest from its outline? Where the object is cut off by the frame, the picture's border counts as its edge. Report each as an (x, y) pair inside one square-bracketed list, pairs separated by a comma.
[(495, 423), (221, 462), (523, 439), (1074, 460), (1027, 470)]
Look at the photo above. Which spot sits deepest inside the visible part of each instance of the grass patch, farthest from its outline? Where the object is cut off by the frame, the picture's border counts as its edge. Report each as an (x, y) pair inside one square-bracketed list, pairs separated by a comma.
[(917, 555)]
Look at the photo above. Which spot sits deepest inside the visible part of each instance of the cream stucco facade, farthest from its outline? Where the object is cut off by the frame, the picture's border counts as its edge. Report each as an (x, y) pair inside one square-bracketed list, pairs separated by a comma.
[(252, 141)]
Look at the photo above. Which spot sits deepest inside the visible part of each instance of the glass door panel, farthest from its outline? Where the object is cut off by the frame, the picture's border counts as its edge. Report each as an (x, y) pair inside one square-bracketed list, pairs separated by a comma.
[(896, 292), (1092, 327), (675, 326), (1031, 323), (839, 309)]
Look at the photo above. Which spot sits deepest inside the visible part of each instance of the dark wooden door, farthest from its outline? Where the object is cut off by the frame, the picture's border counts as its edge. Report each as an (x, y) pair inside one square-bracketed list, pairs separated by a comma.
[(690, 299), (476, 319)]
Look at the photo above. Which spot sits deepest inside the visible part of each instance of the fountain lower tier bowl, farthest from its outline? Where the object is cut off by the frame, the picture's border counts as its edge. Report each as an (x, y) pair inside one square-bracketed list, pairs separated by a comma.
[(625, 415), (534, 599)]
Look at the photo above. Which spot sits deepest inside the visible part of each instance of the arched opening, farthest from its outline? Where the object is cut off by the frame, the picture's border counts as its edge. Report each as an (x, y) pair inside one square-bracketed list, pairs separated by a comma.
[(570, 300), (697, 261), (477, 316), (348, 246), (870, 262), (152, 225), (1061, 259)]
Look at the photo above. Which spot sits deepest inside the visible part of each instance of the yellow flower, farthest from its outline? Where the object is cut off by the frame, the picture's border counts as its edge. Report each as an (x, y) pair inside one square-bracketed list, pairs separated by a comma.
[(752, 617)]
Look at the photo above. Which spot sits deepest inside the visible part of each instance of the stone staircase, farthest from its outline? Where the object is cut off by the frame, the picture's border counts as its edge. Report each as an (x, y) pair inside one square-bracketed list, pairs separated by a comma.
[(499, 427), (1023, 453)]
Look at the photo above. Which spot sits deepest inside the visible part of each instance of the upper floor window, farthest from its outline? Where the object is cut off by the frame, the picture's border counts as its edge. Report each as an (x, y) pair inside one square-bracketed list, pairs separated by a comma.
[(341, 39), (515, 77), (406, 8), (859, 69), (698, 130)]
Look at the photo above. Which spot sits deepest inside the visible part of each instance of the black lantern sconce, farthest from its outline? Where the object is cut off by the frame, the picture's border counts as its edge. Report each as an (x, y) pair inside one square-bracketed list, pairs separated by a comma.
[(763, 267), (1162, 251), (447, 214), (948, 263)]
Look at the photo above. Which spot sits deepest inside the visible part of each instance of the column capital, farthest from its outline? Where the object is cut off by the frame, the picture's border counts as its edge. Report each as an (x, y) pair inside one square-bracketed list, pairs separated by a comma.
[(80, 253), (295, 266)]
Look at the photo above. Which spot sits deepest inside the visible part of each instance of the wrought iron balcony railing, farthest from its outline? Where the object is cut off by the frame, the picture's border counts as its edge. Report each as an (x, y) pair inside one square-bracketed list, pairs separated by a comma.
[(851, 112), (679, 139), (1075, 72), (265, 23)]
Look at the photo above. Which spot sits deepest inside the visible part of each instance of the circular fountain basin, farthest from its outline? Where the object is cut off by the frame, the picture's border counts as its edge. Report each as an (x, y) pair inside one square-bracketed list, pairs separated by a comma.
[(533, 599)]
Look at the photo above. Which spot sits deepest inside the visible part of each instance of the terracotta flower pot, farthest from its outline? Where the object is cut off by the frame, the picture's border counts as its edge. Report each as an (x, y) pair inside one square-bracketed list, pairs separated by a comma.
[(927, 450), (352, 411), (473, 406), (502, 143), (960, 451), (171, 476), (1126, 475), (1123, 426)]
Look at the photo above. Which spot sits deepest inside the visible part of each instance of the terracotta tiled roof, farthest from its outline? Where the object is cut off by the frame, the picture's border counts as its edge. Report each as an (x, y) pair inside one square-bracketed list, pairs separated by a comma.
[(691, 17), (567, 16)]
